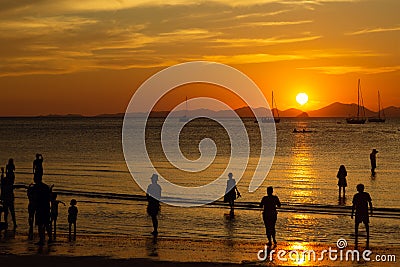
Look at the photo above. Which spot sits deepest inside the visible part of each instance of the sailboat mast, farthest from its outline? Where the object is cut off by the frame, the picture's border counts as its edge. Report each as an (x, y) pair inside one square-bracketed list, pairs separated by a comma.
[(273, 104), (358, 99), (186, 108), (379, 105)]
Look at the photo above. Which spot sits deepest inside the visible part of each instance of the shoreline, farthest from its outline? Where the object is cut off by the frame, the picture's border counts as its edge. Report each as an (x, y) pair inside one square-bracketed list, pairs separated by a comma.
[(91, 250)]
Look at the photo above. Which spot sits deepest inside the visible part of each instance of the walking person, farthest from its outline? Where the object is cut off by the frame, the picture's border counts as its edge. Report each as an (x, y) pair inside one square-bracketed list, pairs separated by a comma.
[(360, 206), (269, 203), (153, 197), (72, 217), (342, 182), (231, 193), (372, 158)]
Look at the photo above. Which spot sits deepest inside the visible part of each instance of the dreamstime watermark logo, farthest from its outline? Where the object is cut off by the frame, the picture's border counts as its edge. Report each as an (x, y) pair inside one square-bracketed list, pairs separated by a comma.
[(156, 87), (340, 253)]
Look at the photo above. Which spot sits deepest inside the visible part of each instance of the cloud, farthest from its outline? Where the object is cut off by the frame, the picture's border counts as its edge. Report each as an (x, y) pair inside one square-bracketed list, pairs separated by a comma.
[(277, 23), (250, 58), (375, 30), (75, 35), (51, 7), (338, 70), (252, 42), (262, 14), (30, 26)]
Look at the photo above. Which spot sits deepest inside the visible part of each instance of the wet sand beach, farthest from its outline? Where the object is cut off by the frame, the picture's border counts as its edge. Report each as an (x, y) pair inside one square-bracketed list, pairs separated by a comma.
[(162, 251)]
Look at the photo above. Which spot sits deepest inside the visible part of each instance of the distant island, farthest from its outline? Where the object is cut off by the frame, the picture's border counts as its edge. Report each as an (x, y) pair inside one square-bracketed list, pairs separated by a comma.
[(334, 110)]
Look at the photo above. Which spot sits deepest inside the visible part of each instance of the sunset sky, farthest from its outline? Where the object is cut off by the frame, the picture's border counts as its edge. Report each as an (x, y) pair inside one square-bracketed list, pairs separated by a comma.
[(88, 56)]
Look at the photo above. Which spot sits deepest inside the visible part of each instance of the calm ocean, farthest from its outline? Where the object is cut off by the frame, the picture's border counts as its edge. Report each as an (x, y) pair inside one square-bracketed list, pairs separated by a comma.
[(84, 160)]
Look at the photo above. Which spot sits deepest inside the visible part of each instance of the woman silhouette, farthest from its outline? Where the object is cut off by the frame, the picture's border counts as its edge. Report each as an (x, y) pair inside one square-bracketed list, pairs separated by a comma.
[(342, 182), (230, 193)]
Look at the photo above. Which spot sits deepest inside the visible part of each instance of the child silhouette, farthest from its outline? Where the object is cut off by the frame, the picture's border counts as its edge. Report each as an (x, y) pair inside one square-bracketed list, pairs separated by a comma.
[(54, 213), (72, 216)]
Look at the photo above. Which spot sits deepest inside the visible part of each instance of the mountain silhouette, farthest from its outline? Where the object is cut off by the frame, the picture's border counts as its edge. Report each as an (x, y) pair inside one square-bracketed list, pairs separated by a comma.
[(339, 110), (334, 110)]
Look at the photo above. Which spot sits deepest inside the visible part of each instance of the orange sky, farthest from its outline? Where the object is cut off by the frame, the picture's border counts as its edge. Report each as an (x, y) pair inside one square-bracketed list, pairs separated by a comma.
[(88, 57)]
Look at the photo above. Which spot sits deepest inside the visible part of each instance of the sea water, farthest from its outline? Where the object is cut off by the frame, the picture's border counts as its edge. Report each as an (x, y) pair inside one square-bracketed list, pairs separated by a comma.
[(83, 158)]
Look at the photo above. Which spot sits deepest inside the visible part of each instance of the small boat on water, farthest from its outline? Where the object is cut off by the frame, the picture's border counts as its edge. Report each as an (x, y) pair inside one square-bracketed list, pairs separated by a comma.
[(381, 113), (301, 131), (276, 118), (360, 109)]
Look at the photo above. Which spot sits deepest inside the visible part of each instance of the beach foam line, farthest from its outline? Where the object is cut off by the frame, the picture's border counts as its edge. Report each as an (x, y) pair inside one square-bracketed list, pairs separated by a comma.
[(393, 213)]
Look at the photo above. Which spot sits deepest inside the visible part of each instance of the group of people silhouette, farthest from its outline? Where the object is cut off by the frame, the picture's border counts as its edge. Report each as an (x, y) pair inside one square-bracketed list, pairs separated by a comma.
[(270, 203), (42, 203)]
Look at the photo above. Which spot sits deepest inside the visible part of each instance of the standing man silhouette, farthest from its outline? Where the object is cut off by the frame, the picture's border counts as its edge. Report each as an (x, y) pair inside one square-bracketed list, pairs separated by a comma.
[(153, 197), (269, 203), (41, 203), (372, 158), (38, 166), (360, 205)]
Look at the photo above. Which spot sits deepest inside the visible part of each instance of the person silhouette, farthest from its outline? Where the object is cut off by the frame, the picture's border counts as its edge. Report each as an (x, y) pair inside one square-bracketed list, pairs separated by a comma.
[(269, 203), (31, 209), (153, 196), (10, 170), (41, 203), (38, 165), (231, 193), (7, 191), (54, 213), (3, 225), (372, 158), (342, 182), (360, 206), (72, 217)]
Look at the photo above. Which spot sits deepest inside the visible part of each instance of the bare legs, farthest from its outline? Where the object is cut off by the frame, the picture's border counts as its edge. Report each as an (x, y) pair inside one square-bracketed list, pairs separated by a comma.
[(232, 206), (70, 230), (53, 226), (270, 228), (344, 191), (10, 207), (356, 233), (155, 225)]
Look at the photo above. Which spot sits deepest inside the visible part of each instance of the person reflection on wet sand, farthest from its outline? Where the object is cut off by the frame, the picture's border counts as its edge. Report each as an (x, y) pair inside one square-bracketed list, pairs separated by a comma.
[(151, 247), (360, 205), (153, 197)]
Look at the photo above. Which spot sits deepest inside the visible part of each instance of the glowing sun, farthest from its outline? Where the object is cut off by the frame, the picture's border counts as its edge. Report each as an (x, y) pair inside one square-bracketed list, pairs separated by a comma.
[(302, 98)]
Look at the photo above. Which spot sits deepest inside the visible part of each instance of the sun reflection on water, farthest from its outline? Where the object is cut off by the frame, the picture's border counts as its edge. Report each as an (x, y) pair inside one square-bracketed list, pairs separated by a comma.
[(301, 168)]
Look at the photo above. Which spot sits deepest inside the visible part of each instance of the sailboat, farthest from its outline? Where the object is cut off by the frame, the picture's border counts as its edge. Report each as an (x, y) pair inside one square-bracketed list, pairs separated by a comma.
[(184, 118), (274, 108), (360, 107), (381, 113)]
